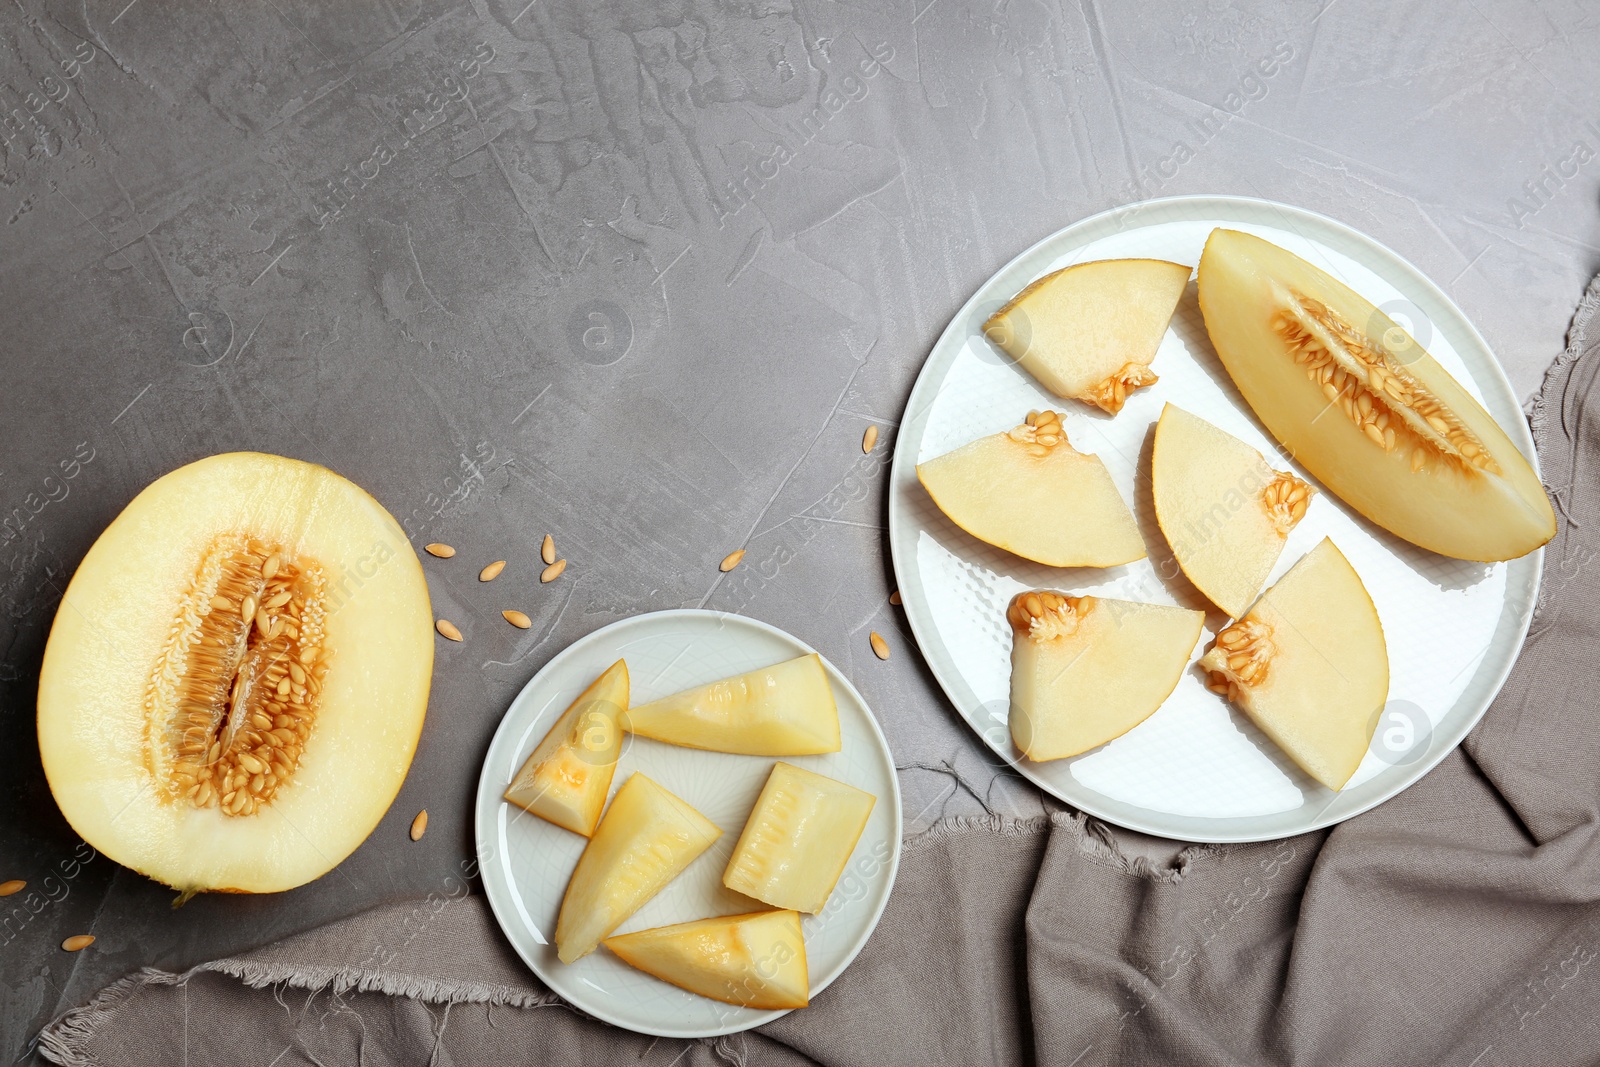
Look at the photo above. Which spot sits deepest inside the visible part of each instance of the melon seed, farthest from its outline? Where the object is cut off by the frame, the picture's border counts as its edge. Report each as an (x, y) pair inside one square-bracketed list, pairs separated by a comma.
[(447, 629), (547, 550), (77, 942), (552, 572), (492, 571), (419, 825), (880, 647), (869, 439), (517, 619), (894, 598), (440, 549), (16, 885), (731, 560)]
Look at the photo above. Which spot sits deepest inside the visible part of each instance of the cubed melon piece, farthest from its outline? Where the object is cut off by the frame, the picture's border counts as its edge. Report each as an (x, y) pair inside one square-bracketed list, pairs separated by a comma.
[(797, 839), (1030, 492), (1089, 332)]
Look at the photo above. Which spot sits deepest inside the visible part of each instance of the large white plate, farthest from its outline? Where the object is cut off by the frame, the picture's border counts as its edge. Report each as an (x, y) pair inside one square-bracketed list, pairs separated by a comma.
[(526, 861), (1197, 770)]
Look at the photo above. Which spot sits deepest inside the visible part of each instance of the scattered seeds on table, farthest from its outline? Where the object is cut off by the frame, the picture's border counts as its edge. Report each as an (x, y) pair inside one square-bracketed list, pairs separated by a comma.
[(731, 560), (517, 619), (869, 438), (78, 942), (16, 885), (880, 647), (552, 572), (440, 549), (448, 629), (492, 571), (894, 598), (419, 825), (547, 551)]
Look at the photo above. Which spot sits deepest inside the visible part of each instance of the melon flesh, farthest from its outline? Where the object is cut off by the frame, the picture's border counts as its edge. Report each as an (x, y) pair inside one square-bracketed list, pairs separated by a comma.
[(1224, 511), (797, 839), (1361, 406), (1309, 665), (1089, 332), (566, 778), (755, 961), (1086, 670), (646, 839), (1030, 492), (215, 753), (786, 709)]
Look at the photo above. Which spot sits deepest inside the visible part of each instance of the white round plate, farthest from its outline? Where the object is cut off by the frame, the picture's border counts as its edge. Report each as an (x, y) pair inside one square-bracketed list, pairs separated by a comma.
[(526, 861), (1197, 770)]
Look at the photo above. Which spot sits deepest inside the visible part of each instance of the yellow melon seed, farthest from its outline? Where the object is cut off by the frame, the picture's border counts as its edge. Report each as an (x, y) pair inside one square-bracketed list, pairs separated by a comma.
[(547, 550), (447, 629), (16, 885), (869, 439), (492, 571), (517, 619), (78, 942), (731, 560), (894, 598), (552, 572), (880, 647), (419, 825), (440, 549)]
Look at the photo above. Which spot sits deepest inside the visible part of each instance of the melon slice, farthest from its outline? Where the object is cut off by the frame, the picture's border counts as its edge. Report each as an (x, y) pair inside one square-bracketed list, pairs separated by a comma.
[(1089, 332), (755, 961), (646, 839), (566, 778), (1030, 492), (797, 839), (1085, 670), (783, 710), (1361, 406), (1309, 665), (1224, 511), (236, 678)]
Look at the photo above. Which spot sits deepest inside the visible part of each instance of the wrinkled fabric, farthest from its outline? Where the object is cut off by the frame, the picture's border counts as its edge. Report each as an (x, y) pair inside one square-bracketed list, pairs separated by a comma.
[(1455, 924)]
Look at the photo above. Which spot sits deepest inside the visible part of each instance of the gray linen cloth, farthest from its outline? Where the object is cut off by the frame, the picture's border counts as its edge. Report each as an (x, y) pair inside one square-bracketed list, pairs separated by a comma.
[(1456, 924)]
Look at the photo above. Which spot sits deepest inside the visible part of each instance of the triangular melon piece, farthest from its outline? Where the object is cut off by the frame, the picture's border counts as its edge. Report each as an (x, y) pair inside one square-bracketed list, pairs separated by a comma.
[(1225, 512), (755, 961), (797, 839), (1030, 492), (1309, 665), (786, 709), (566, 778), (647, 838), (1085, 670), (1089, 332)]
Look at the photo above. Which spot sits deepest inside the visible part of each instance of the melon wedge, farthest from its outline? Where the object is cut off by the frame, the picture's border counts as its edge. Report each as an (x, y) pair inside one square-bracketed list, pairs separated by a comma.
[(1089, 332), (1309, 665), (786, 709), (646, 839), (1085, 670), (755, 961), (1224, 511), (236, 678), (1361, 406), (566, 778), (797, 839), (1030, 492)]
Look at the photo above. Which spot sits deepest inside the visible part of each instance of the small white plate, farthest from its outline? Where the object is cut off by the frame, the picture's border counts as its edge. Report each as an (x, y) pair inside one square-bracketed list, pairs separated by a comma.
[(526, 861), (1197, 770)]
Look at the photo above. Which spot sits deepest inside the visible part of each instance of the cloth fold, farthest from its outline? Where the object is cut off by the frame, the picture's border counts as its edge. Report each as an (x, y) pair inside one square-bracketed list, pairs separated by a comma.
[(1455, 924)]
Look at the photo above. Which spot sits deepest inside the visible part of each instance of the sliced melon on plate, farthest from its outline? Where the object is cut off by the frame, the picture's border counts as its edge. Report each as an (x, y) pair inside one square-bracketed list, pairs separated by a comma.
[(567, 776), (1355, 399), (786, 709), (1089, 332), (755, 961), (1224, 511), (1030, 492), (1309, 665), (646, 839), (797, 839), (1085, 670)]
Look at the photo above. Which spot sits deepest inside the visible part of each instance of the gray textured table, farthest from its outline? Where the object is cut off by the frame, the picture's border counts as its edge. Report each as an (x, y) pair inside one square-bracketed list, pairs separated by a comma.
[(641, 278)]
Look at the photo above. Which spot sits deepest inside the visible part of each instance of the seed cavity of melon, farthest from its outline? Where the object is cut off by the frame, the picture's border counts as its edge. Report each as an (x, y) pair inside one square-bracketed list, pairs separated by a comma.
[(1285, 500), (1248, 646), (233, 697), (1376, 392), (1045, 616)]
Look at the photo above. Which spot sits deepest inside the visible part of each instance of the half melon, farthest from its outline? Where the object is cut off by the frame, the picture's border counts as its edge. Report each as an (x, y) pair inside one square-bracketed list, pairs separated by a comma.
[(1361, 406), (237, 676)]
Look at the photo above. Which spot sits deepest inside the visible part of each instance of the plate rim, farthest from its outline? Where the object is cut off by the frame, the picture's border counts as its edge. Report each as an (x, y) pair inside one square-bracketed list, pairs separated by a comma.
[(491, 791), (916, 611)]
